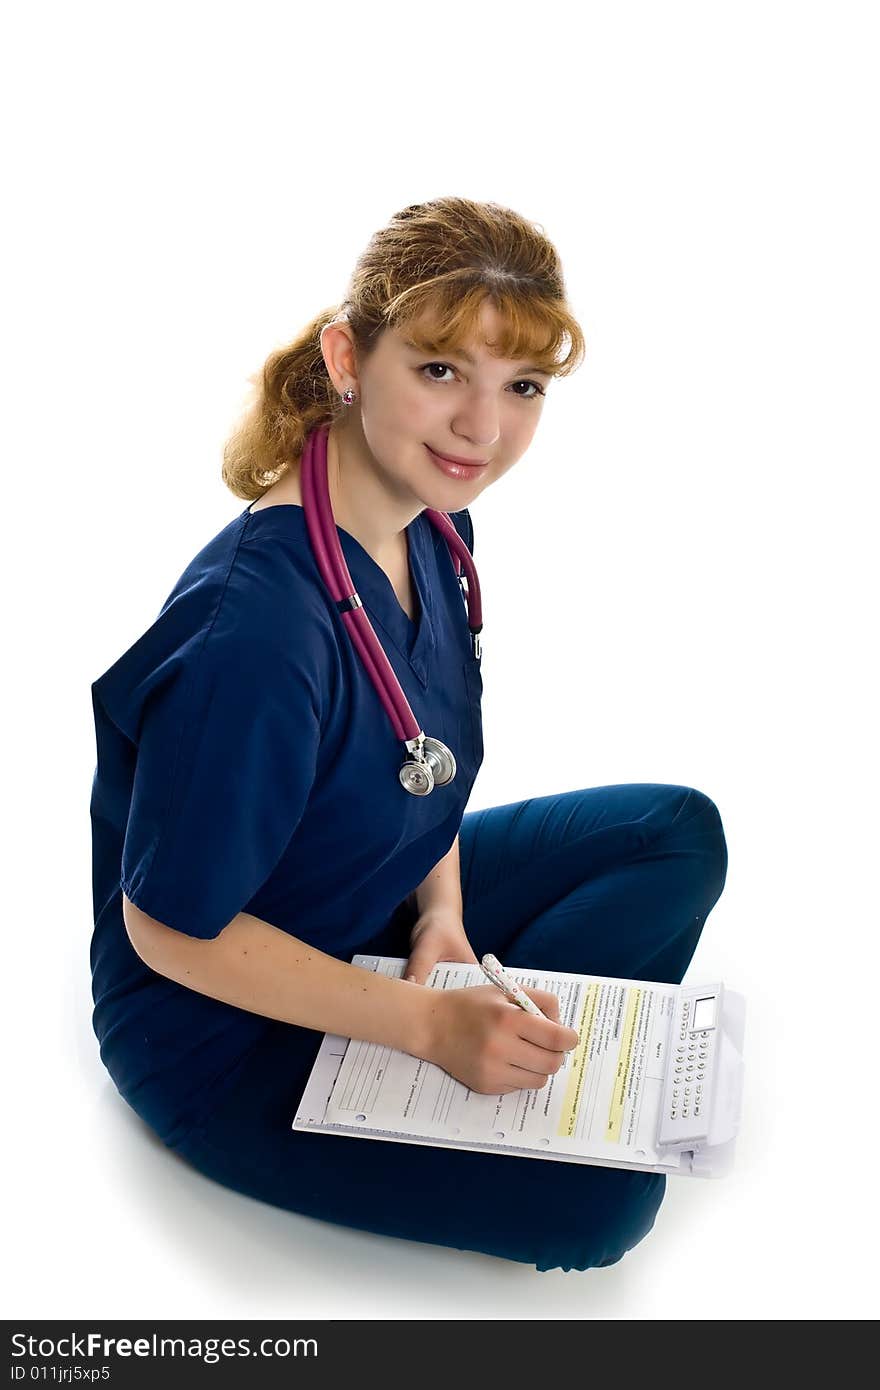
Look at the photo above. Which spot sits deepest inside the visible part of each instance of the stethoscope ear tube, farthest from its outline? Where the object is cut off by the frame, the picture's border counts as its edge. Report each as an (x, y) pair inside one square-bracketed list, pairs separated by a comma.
[(431, 762), (460, 552)]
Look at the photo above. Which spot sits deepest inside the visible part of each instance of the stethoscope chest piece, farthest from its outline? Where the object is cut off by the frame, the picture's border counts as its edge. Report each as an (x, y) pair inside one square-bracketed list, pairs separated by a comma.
[(433, 765)]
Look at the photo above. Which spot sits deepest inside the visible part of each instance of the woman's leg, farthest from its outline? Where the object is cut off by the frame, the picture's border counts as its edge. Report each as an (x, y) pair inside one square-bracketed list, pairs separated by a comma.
[(601, 881), (615, 880)]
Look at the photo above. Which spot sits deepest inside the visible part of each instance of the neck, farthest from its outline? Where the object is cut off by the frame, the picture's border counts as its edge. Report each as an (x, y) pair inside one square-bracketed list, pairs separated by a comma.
[(360, 497)]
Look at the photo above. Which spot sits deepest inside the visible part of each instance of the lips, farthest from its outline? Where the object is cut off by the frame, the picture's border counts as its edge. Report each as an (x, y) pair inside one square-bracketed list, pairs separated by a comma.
[(453, 458), (464, 472)]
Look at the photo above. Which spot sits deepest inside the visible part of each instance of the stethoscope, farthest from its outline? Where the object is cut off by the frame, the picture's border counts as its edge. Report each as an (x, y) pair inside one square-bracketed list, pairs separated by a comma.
[(429, 762)]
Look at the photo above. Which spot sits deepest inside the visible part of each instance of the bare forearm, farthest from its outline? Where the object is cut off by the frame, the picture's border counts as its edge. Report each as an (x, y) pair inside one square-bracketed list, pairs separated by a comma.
[(442, 887), (256, 966)]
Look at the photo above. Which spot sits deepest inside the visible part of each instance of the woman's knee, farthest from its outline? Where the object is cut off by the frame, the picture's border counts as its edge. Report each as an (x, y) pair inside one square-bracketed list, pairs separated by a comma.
[(619, 1213), (713, 838), (700, 813)]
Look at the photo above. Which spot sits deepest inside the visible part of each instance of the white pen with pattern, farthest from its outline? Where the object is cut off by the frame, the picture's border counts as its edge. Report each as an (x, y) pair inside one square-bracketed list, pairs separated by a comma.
[(494, 970)]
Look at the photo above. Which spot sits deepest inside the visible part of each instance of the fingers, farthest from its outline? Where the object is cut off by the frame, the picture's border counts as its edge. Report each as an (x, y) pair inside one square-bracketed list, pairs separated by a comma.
[(536, 1058), (419, 965), (546, 1001), (524, 1080), (547, 1033)]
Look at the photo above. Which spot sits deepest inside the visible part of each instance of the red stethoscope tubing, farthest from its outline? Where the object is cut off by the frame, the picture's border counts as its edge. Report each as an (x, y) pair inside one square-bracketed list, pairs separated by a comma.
[(335, 573)]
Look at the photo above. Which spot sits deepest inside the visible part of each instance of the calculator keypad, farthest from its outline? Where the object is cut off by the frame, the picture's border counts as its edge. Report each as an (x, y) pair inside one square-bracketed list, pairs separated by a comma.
[(685, 1107)]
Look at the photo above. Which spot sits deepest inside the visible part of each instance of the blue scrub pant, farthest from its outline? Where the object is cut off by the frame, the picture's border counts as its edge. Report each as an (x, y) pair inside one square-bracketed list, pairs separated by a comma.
[(615, 880)]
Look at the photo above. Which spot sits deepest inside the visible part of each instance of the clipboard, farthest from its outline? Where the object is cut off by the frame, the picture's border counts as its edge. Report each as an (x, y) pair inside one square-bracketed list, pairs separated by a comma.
[(617, 1101)]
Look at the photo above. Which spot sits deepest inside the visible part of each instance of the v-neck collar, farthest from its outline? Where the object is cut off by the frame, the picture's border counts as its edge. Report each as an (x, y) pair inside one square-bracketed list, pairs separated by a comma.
[(414, 638)]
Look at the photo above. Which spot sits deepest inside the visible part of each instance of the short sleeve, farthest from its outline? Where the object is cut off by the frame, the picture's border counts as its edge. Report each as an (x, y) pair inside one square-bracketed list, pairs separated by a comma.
[(226, 759)]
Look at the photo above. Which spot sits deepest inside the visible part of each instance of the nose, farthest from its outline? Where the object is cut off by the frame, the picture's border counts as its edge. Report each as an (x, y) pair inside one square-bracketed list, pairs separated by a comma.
[(477, 426)]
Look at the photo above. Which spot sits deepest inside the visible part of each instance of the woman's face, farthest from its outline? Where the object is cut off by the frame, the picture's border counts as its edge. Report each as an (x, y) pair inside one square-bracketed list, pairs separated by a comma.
[(481, 410)]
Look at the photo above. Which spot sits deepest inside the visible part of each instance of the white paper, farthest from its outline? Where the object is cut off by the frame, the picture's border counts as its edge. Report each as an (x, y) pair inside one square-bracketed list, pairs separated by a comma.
[(601, 1106)]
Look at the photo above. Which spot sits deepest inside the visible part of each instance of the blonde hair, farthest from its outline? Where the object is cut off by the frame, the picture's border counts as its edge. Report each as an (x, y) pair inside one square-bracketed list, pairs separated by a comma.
[(435, 263)]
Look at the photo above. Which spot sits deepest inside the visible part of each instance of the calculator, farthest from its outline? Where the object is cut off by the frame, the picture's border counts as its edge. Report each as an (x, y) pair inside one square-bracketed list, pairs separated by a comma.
[(691, 1066)]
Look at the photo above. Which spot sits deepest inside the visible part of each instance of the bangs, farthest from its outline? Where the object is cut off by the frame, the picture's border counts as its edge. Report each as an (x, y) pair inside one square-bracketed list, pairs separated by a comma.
[(443, 316)]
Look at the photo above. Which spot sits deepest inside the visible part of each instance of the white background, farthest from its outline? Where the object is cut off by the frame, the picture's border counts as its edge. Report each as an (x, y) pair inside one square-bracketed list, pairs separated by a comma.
[(677, 579)]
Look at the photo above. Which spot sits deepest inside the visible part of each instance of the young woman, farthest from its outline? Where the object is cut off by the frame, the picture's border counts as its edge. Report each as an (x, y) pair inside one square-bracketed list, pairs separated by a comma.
[(250, 831)]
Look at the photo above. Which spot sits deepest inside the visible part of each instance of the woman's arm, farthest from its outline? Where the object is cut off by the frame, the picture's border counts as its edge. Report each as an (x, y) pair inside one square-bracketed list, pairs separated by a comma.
[(442, 887), (258, 967), (475, 1034)]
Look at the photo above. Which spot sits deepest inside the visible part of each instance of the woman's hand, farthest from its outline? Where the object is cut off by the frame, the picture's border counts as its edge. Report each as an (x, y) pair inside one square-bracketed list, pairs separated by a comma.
[(491, 1045), (476, 1034), (437, 935)]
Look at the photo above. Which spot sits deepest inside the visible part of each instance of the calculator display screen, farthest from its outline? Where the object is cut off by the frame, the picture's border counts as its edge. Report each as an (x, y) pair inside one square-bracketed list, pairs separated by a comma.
[(704, 1014)]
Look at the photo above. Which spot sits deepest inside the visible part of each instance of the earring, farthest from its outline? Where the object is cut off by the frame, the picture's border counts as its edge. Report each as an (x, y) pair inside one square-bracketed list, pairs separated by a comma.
[(349, 396)]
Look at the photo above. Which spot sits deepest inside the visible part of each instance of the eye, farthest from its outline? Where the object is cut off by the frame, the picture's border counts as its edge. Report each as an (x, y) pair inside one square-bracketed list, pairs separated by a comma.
[(445, 367), (539, 390)]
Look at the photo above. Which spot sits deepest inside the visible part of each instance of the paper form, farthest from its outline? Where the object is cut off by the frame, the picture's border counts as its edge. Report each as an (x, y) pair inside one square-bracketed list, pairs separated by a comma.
[(603, 1103)]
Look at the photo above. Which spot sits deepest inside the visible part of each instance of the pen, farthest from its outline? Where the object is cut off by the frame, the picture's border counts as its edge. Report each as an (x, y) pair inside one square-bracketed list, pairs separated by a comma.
[(494, 970)]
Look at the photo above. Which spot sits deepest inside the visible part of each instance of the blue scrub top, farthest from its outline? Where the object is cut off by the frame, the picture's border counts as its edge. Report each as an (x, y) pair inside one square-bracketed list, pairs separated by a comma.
[(246, 763)]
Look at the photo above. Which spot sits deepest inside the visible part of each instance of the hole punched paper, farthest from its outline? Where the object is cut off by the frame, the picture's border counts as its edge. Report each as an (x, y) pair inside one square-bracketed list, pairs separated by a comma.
[(625, 1096)]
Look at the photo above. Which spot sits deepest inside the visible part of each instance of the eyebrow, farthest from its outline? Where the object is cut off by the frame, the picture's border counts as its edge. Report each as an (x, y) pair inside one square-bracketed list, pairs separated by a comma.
[(467, 357)]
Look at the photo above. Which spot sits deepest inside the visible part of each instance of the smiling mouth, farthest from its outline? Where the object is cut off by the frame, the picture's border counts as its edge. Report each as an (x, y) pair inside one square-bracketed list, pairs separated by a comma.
[(464, 463)]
